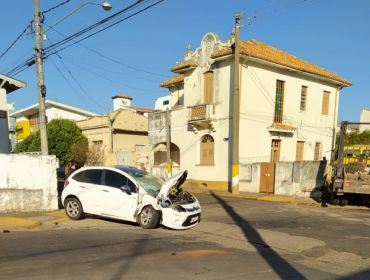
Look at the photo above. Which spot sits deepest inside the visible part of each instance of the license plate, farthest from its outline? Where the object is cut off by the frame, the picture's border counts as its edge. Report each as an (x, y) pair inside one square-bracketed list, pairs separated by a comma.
[(194, 219)]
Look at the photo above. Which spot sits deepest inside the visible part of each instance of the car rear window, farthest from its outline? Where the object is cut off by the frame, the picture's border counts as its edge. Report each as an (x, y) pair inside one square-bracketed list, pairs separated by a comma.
[(91, 176)]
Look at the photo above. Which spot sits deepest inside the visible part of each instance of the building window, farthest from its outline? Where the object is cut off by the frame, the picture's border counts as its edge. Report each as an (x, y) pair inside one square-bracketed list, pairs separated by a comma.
[(279, 101), (98, 143), (275, 150), (325, 102), (317, 155), (166, 102), (303, 98), (207, 146), (208, 88), (299, 151)]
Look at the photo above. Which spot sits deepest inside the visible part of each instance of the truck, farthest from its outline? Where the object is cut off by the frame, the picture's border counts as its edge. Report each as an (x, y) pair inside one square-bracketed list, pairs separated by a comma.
[(345, 185)]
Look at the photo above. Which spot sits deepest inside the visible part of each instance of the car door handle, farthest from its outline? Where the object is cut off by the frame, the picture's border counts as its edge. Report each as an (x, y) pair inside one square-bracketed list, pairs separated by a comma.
[(105, 191), (83, 187)]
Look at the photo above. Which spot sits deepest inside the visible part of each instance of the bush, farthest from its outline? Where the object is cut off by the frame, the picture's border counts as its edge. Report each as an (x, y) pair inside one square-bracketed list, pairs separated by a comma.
[(62, 134)]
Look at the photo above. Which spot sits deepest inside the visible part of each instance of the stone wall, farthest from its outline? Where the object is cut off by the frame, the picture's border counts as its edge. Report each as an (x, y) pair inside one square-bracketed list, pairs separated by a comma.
[(28, 182), (300, 178)]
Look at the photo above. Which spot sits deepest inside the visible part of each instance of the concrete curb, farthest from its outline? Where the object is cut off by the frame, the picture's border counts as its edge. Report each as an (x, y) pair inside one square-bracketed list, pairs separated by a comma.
[(11, 222)]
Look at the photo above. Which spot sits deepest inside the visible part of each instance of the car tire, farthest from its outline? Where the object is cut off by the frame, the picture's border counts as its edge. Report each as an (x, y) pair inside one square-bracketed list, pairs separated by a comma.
[(73, 208), (149, 218)]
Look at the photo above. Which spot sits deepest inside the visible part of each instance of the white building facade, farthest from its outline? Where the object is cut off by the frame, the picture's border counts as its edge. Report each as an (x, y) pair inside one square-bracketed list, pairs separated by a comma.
[(364, 118), (288, 110), (27, 120), (163, 103)]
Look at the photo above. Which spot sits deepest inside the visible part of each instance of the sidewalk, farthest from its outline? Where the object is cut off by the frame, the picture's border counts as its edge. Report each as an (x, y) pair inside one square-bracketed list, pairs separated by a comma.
[(257, 196), (35, 221)]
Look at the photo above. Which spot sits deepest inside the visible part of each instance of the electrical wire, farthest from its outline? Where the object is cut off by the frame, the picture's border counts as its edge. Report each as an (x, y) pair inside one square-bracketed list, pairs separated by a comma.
[(108, 58), (52, 49), (55, 7), (76, 81), (15, 41)]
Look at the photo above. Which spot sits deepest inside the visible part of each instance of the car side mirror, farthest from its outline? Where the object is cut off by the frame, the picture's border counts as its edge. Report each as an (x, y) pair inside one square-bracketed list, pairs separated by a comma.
[(126, 189)]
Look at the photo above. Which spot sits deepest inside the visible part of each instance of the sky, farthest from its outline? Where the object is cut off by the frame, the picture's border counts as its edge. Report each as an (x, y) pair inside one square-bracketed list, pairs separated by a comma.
[(133, 57)]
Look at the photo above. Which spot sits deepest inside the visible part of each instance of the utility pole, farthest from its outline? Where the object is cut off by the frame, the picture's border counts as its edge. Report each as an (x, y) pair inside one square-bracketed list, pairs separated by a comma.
[(40, 80), (168, 144), (236, 110)]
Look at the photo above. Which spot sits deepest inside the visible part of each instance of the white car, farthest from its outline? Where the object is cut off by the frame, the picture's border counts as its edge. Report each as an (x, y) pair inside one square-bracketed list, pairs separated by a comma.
[(130, 194)]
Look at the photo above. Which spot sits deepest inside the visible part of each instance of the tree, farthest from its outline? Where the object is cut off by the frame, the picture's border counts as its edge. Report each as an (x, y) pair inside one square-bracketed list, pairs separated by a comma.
[(61, 135)]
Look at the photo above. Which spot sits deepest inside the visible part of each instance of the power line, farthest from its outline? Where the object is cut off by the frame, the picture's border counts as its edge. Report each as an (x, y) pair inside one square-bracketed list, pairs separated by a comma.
[(53, 48), (55, 7), (93, 26), (16, 40), (115, 61), (76, 81)]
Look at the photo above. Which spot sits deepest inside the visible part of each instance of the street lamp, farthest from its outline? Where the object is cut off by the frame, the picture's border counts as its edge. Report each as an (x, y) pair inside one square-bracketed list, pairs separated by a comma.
[(40, 69), (106, 6)]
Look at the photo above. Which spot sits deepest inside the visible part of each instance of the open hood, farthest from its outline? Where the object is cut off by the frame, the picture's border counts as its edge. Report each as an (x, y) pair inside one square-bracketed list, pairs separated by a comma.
[(172, 185)]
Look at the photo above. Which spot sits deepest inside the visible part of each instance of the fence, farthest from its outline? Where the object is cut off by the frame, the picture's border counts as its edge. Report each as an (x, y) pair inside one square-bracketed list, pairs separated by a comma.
[(28, 183), (300, 178)]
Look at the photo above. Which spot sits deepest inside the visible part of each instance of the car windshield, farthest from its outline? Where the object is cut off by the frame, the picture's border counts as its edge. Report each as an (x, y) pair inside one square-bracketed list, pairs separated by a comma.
[(150, 183)]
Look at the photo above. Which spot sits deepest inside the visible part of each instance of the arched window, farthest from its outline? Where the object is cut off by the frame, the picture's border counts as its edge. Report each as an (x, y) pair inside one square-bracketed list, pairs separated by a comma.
[(207, 145)]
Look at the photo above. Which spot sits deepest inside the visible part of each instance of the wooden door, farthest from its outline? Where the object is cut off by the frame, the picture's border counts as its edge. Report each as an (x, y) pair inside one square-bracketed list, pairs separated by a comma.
[(275, 150), (267, 180)]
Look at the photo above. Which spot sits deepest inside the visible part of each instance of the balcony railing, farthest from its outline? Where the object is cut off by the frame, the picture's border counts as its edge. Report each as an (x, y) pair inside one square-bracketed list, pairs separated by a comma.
[(278, 118), (201, 112)]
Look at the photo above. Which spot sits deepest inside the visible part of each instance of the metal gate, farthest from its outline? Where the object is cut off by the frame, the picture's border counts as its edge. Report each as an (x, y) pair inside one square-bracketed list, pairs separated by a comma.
[(267, 177)]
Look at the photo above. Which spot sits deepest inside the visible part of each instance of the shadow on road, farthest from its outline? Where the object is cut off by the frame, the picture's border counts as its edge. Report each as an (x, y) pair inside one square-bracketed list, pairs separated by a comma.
[(276, 262), (362, 275)]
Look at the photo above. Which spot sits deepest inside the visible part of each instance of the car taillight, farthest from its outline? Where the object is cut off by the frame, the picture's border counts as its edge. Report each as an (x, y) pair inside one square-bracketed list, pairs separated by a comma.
[(66, 183)]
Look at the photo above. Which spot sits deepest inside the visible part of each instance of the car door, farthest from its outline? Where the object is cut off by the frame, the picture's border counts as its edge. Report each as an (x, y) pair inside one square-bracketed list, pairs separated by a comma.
[(118, 203), (88, 189)]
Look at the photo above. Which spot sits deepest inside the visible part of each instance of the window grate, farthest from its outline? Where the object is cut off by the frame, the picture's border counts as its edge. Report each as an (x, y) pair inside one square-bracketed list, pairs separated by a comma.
[(303, 98), (279, 101)]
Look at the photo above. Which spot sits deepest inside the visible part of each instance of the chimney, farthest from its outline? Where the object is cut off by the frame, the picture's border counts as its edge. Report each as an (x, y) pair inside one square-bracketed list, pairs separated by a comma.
[(121, 101)]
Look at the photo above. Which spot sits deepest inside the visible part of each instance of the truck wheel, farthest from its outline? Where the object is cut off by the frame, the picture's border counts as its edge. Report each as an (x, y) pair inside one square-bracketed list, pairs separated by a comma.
[(343, 202), (149, 218), (335, 201)]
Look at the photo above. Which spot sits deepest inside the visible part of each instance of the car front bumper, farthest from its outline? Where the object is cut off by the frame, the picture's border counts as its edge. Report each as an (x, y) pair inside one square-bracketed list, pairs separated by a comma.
[(171, 218)]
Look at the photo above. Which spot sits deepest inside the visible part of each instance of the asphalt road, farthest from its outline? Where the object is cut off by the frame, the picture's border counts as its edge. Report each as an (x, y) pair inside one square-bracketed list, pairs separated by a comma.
[(237, 239)]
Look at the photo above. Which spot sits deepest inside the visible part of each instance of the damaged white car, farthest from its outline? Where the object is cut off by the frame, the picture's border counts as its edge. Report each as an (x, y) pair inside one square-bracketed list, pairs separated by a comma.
[(130, 194)]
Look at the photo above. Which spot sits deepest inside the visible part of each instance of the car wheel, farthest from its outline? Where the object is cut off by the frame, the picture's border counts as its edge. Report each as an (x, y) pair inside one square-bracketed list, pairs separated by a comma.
[(73, 208), (149, 218)]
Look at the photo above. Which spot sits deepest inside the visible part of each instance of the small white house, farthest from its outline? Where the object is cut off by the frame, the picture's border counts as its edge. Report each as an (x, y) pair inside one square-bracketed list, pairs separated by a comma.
[(28, 119), (288, 110), (7, 85), (163, 103), (364, 118)]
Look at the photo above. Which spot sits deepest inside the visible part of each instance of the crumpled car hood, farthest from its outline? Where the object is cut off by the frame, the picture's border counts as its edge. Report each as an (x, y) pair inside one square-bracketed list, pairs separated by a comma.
[(173, 184)]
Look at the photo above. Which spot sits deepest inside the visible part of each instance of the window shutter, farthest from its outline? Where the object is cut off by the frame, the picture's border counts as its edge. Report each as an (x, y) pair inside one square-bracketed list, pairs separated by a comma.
[(208, 87), (325, 102), (207, 150)]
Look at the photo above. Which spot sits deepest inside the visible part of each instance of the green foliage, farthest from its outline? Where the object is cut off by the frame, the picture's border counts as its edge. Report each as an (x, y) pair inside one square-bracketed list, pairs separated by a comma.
[(79, 151), (61, 135), (358, 138)]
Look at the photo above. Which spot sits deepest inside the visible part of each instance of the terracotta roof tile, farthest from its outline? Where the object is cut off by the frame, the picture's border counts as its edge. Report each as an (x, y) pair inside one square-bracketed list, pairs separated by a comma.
[(120, 95), (141, 109), (263, 51), (171, 82), (188, 64)]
